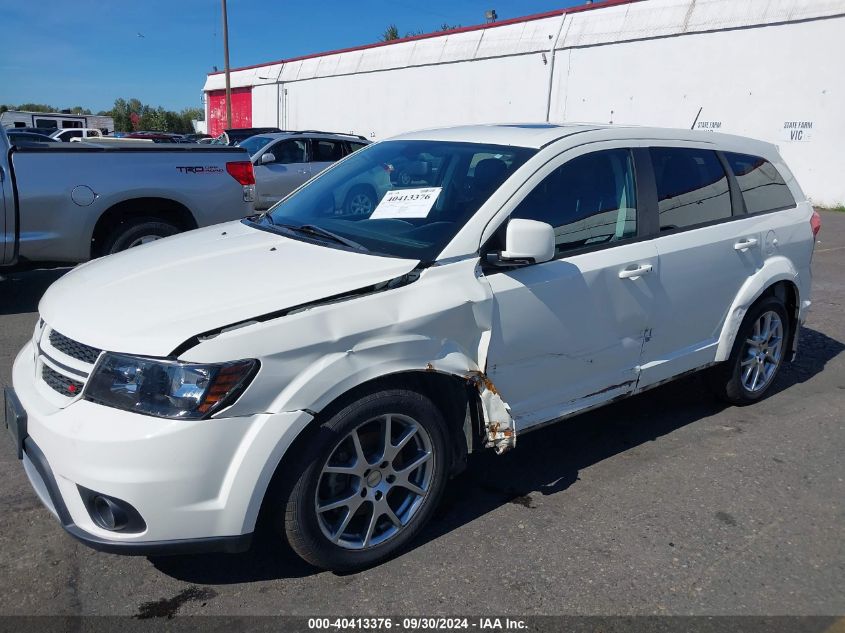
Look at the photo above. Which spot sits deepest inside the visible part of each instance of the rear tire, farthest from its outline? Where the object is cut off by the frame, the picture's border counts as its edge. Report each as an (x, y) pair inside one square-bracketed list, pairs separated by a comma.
[(137, 232), (757, 355), (379, 503)]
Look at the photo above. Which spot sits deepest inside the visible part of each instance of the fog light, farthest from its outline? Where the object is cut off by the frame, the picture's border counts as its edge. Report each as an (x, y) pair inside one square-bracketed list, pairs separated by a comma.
[(111, 513), (107, 514)]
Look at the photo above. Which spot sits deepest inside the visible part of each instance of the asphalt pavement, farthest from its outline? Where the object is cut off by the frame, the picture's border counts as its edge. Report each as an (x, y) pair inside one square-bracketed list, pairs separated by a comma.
[(666, 503)]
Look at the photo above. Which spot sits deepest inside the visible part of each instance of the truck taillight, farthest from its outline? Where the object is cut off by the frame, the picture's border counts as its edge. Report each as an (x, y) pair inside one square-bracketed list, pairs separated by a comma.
[(242, 172), (816, 223)]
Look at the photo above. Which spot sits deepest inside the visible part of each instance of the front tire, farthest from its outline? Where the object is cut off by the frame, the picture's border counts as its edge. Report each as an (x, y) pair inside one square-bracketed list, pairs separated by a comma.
[(757, 355), (369, 481)]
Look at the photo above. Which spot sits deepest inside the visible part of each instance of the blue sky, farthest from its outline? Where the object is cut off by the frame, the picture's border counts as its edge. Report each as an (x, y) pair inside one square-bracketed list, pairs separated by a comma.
[(88, 52)]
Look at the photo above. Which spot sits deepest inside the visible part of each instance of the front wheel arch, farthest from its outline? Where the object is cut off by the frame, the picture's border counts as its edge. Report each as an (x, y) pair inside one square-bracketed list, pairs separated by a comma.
[(457, 400)]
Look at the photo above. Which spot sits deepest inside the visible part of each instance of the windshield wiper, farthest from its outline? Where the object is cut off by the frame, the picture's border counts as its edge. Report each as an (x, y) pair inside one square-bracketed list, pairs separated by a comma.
[(311, 229)]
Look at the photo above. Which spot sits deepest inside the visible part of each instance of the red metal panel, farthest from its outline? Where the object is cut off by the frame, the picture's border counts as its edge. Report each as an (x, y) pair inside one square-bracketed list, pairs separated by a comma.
[(241, 109)]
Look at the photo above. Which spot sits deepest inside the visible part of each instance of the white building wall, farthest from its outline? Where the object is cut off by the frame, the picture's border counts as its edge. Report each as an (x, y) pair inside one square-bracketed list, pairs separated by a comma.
[(751, 66), (265, 105), (381, 104), (750, 82)]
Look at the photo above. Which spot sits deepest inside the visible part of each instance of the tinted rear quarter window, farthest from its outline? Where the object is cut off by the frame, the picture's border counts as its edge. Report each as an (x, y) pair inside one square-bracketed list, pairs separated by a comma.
[(326, 151), (762, 186), (692, 187)]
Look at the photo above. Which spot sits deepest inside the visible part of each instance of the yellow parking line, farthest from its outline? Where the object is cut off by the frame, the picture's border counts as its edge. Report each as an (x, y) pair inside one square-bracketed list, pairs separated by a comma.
[(837, 627), (835, 248)]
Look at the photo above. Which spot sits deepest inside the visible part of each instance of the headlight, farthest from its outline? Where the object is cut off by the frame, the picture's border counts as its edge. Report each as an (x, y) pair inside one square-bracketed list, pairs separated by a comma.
[(167, 389)]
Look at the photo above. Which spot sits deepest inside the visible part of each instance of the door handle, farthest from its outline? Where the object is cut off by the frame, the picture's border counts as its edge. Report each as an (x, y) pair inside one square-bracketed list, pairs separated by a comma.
[(635, 273), (745, 244)]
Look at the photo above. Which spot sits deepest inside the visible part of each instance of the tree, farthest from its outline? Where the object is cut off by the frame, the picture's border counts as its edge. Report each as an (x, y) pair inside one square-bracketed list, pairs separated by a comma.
[(390, 33), (130, 115), (120, 113), (35, 107)]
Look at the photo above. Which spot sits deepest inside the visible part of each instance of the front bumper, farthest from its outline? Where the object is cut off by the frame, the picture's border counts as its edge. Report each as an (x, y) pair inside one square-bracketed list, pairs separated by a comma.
[(198, 485)]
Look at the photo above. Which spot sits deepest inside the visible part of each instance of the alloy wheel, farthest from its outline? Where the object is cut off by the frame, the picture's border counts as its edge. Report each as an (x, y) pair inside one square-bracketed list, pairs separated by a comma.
[(762, 353), (361, 204), (374, 482)]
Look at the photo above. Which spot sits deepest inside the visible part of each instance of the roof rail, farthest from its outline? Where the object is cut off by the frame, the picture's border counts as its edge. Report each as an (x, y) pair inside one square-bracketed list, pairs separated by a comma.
[(363, 138)]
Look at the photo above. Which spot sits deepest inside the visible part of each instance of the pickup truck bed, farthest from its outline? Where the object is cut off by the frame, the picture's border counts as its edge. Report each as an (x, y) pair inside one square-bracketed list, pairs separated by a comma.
[(70, 202)]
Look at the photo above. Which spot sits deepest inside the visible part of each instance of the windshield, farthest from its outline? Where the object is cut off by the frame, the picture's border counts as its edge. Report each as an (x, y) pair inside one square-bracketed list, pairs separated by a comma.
[(400, 198), (254, 143)]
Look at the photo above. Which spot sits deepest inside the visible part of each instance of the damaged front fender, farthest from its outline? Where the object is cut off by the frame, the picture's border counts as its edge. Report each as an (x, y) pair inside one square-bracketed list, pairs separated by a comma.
[(498, 423), (442, 322)]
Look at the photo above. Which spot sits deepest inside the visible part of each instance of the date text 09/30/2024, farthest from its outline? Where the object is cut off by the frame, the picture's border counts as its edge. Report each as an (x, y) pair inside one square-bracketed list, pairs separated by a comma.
[(416, 623)]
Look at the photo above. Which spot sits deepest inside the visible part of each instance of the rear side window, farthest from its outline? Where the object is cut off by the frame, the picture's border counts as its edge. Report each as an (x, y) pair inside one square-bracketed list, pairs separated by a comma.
[(763, 188), (326, 151), (692, 187), (288, 152), (588, 200)]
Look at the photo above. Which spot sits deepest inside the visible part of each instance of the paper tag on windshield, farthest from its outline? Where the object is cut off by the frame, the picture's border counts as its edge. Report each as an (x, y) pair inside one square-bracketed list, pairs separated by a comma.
[(407, 203)]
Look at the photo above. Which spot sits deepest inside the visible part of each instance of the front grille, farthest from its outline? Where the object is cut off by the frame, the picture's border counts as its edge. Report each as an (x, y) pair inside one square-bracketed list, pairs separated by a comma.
[(85, 353), (62, 384)]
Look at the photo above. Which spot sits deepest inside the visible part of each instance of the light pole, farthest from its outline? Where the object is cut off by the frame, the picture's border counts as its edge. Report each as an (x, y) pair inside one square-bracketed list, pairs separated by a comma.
[(226, 70)]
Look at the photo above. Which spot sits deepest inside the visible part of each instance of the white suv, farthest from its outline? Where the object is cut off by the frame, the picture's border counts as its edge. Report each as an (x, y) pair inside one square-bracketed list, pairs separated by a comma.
[(334, 369)]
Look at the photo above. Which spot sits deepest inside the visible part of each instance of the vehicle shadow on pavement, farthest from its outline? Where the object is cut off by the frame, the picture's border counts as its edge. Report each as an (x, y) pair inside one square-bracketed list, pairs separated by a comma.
[(20, 292), (547, 462)]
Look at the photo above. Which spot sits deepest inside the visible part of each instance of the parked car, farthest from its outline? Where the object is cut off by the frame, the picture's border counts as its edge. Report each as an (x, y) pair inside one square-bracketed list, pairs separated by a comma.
[(155, 137), (336, 370), (410, 170), (70, 202), (80, 133), (18, 138), (285, 160), (46, 131), (196, 138), (233, 136)]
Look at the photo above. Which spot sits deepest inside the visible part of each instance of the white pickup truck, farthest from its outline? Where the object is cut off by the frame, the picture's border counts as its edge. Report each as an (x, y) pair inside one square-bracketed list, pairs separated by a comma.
[(71, 202)]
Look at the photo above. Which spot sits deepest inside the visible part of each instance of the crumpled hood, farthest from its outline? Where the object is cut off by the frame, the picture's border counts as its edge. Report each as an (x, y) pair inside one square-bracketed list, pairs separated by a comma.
[(150, 299)]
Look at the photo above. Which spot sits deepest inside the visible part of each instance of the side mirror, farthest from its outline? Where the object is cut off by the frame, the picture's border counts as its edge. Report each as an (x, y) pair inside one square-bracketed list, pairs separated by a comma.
[(526, 242), (268, 157)]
